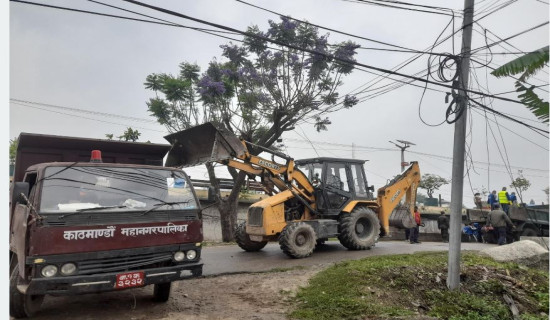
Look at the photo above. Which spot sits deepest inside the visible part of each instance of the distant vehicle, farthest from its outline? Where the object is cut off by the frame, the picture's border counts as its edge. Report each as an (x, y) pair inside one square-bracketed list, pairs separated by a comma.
[(92, 215), (530, 221)]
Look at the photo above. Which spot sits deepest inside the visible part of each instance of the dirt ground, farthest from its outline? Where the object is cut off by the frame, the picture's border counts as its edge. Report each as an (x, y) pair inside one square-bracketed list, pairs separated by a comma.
[(237, 296)]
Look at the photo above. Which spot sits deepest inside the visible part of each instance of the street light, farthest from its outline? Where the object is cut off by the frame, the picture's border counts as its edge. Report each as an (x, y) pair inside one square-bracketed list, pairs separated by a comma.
[(405, 145)]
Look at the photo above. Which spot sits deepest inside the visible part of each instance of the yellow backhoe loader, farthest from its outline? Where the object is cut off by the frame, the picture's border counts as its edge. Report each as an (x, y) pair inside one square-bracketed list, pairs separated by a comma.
[(311, 199)]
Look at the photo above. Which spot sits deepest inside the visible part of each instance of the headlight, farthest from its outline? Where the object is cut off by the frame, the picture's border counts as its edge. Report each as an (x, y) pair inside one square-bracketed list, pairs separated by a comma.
[(49, 271), (179, 256), (68, 269), (191, 254)]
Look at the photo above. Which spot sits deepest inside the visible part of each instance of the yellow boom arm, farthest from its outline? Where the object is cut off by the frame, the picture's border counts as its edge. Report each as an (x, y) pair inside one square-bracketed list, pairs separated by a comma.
[(390, 195)]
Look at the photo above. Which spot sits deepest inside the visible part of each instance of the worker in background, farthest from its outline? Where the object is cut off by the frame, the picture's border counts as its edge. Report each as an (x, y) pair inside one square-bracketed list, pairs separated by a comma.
[(499, 220), (492, 199), (513, 199), (443, 225), (477, 200), (504, 200), (415, 230)]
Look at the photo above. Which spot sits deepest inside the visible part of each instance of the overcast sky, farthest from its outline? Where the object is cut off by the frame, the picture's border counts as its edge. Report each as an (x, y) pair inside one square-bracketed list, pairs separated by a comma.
[(94, 67)]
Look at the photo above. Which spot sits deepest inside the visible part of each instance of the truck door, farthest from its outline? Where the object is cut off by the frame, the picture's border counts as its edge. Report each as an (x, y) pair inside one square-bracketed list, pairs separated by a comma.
[(336, 189), (19, 224)]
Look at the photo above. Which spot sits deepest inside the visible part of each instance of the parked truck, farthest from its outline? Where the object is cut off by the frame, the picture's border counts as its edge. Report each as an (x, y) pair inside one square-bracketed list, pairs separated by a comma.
[(91, 215), (310, 200), (530, 221)]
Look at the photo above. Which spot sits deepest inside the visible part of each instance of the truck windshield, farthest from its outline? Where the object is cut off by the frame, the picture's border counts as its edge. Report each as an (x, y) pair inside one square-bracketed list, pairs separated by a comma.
[(67, 189)]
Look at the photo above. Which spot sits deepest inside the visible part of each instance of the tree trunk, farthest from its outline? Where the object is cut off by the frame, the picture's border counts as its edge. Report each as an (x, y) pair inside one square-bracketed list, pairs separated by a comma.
[(227, 206)]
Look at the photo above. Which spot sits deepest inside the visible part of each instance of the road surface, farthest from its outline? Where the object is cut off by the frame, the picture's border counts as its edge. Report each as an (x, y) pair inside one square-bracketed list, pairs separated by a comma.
[(225, 259)]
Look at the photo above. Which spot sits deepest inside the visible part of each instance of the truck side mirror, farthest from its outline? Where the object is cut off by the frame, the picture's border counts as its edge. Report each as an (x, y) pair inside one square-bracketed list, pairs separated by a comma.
[(18, 189)]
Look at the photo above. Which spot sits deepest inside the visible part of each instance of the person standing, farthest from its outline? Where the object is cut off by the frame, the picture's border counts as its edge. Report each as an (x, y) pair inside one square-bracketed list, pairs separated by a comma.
[(504, 199), (499, 220), (415, 230), (477, 200), (492, 199), (513, 199), (443, 225)]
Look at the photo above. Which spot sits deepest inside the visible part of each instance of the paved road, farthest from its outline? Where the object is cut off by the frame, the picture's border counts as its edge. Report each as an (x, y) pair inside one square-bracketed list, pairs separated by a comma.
[(232, 259)]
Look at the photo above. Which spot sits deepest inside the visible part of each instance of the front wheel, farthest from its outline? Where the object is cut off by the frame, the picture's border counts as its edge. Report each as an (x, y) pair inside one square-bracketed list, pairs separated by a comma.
[(22, 305), (161, 292), (297, 240), (529, 232), (359, 230), (243, 240)]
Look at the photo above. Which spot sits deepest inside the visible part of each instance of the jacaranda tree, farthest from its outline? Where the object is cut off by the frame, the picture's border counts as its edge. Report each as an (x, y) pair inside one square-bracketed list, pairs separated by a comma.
[(258, 90)]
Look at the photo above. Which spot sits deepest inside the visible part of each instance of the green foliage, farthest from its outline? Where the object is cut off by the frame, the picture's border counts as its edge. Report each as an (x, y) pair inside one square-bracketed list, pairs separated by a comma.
[(401, 285), (520, 184), (130, 135), (13, 149), (109, 136), (527, 65), (432, 182)]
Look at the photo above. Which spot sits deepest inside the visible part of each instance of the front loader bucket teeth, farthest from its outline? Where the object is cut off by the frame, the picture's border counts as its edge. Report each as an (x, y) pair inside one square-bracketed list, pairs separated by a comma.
[(202, 144)]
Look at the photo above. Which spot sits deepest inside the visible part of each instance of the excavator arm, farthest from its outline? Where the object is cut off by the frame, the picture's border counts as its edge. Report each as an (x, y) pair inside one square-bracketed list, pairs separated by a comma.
[(390, 195), (206, 143)]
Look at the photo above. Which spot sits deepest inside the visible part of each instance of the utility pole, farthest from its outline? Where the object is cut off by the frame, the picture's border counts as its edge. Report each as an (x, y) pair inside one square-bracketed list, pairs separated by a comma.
[(453, 275), (353, 150), (405, 145)]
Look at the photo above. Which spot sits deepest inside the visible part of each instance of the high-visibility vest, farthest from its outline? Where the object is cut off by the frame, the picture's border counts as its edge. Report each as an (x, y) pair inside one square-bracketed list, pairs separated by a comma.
[(502, 198)]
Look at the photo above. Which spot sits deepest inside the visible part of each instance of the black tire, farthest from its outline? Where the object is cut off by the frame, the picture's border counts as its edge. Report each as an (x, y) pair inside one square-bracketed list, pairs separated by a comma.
[(359, 230), (297, 240), (22, 305), (161, 292), (529, 232), (243, 240)]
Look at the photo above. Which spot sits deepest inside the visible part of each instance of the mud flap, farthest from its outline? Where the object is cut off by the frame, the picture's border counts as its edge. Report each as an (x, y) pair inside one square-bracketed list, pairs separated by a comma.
[(202, 144)]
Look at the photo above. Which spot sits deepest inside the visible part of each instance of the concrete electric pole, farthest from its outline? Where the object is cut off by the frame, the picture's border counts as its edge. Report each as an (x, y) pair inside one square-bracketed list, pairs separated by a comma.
[(453, 275), (405, 145)]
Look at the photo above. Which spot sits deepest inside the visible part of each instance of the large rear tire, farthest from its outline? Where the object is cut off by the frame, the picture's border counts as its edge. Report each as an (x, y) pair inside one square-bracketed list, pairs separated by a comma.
[(529, 232), (161, 292), (359, 230), (243, 240), (22, 305), (297, 240)]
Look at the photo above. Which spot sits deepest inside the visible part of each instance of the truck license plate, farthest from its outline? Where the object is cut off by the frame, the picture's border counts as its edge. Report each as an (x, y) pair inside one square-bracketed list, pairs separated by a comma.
[(129, 279)]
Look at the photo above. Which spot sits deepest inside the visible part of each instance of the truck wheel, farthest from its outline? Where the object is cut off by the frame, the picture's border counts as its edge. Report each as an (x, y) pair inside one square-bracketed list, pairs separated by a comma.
[(359, 230), (161, 292), (297, 240), (529, 232), (22, 305), (243, 240)]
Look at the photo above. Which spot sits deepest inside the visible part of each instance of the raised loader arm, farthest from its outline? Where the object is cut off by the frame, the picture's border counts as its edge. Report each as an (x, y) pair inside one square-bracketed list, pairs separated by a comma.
[(389, 197), (206, 143)]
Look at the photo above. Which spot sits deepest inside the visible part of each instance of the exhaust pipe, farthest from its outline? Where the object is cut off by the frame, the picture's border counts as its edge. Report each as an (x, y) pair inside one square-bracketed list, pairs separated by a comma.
[(202, 144)]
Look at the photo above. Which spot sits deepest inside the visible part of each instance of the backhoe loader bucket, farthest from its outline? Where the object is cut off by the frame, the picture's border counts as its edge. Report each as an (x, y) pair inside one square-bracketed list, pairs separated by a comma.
[(202, 144)]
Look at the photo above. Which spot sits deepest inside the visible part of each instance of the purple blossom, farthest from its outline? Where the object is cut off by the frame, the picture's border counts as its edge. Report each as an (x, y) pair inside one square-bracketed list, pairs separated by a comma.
[(288, 24), (346, 51), (209, 88)]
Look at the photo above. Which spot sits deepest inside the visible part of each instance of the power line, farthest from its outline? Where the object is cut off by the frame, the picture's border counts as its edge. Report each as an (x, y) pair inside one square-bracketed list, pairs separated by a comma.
[(73, 115), (111, 115), (397, 7), (391, 149)]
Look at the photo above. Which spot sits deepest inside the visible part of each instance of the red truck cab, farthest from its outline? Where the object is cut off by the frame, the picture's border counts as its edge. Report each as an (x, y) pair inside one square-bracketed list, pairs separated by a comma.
[(83, 222)]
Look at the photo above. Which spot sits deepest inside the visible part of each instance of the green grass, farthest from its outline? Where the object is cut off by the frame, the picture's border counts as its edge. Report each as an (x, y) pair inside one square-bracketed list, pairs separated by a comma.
[(407, 285)]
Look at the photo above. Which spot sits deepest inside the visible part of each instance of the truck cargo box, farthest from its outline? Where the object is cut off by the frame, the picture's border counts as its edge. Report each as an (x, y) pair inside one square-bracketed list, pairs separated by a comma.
[(39, 148)]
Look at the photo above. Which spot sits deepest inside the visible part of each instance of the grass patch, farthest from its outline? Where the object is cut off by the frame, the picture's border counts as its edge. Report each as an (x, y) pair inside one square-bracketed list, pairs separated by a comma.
[(405, 286)]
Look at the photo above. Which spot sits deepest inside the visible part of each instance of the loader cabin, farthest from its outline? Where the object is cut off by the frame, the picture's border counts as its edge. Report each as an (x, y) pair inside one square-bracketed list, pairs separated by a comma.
[(337, 181)]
